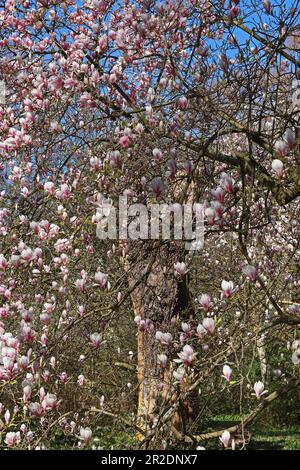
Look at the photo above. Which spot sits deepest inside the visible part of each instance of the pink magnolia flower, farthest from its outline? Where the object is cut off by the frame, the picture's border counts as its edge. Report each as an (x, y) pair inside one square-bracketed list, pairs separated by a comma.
[(259, 389), (186, 356), (157, 153), (3, 263), (95, 163), (46, 375), (49, 307), (27, 334), (81, 310), (210, 215), (54, 125), (182, 102), (96, 339), (49, 188), (250, 272), (44, 339), (225, 438), (49, 402), (209, 325), (85, 100), (26, 393), (165, 339), (162, 360), (186, 329), (179, 374), (224, 63), (130, 355), (157, 186), (55, 83), (85, 435), (180, 269), (201, 331), (163, 82), (219, 194), (115, 159), (63, 377), (227, 288), (12, 438), (64, 192), (15, 261), (4, 311), (139, 128), (227, 182), (227, 372), (172, 165), (72, 426), (7, 416), (80, 284), (27, 255), (281, 147), (205, 301), (267, 6), (45, 318), (23, 362), (125, 141), (103, 43), (36, 409), (143, 325), (42, 393), (62, 244), (290, 138), (233, 13), (277, 167), (81, 380), (100, 279), (149, 111)]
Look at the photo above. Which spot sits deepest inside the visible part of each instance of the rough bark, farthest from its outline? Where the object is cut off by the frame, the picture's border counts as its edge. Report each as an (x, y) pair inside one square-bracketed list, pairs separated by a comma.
[(159, 297)]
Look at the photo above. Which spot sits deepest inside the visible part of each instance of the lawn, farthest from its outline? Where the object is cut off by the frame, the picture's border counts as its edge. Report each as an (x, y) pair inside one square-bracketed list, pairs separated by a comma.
[(263, 436)]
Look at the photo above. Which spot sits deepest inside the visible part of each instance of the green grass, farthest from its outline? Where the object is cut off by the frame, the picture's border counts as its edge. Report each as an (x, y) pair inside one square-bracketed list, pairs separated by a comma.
[(263, 436), (284, 438), (109, 438)]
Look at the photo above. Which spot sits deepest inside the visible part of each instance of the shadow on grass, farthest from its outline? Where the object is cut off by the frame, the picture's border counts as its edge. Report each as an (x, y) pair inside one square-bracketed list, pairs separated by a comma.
[(265, 445), (289, 432), (263, 437)]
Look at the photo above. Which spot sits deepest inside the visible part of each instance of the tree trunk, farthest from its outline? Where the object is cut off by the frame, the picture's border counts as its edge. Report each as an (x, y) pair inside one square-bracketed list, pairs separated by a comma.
[(158, 297)]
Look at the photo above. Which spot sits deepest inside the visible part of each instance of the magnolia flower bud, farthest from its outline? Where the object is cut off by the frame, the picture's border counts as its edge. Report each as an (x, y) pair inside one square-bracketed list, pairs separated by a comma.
[(277, 167), (85, 435), (225, 438), (227, 372), (259, 389), (209, 325), (227, 288)]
